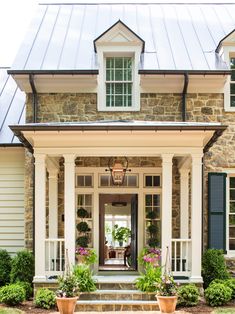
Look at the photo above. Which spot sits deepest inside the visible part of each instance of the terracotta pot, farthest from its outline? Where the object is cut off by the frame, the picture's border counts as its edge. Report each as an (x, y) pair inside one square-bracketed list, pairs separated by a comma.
[(80, 259), (66, 305), (167, 304)]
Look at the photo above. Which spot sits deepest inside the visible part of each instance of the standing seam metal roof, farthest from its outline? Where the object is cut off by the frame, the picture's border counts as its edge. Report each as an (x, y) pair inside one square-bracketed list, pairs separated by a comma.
[(177, 36), (12, 108)]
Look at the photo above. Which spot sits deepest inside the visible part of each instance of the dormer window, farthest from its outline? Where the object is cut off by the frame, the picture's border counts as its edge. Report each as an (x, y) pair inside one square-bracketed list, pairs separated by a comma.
[(232, 82), (118, 82), (118, 54)]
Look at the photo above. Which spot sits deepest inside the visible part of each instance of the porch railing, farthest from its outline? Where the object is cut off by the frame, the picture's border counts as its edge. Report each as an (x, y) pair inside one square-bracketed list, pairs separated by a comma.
[(181, 257), (55, 254)]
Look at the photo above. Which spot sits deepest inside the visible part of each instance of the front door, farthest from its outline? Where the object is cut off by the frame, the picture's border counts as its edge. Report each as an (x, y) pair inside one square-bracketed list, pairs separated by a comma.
[(118, 232)]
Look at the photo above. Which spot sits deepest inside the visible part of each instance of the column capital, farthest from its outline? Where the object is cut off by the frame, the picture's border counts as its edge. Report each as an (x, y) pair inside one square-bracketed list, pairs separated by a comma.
[(69, 158), (39, 158), (53, 173), (167, 158), (184, 172), (197, 157)]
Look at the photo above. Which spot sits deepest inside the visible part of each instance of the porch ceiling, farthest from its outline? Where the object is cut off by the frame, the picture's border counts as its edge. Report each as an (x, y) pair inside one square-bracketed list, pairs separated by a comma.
[(119, 137)]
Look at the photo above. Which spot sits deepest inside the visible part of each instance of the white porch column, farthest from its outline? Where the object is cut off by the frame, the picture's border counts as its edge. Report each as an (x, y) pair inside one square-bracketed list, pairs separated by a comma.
[(53, 203), (166, 204), (196, 217), (69, 205), (184, 203), (40, 216)]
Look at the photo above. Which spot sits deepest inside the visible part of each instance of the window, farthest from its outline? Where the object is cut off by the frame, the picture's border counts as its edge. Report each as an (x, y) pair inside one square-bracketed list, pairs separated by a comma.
[(231, 213), (152, 220), (119, 82), (232, 83), (151, 180), (84, 180), (131, 180)]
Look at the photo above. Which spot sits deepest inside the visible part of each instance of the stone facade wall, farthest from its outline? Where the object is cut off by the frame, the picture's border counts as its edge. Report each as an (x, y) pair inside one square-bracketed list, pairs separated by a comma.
[(154, 107)]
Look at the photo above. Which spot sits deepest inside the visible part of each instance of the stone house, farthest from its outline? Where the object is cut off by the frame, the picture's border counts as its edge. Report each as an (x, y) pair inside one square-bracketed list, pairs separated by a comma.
[(130, 116)]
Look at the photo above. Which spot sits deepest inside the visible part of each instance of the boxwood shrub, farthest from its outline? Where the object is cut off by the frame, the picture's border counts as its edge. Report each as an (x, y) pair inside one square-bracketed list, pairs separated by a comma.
[(22, 267), (218, 294), (5, 267), (45, 298), (12, 295), (188, 295)]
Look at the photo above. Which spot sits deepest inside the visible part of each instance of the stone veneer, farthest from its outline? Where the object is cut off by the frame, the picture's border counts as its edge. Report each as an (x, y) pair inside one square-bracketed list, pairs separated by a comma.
[(154, 107)]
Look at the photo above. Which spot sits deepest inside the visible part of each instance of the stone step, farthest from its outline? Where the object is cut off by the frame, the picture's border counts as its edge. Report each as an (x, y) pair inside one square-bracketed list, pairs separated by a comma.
[(117, 295), (116, 305), (116, 282), (116, 286)]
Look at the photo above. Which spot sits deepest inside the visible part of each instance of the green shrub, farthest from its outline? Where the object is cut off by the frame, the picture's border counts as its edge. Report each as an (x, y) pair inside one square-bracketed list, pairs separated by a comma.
[(84, 278), (213, 266), (13, 294), (147, 282), (83, 226), (188, 295), (82, 241), (45, 298), (229, 283), (27, 288), (218, 294), (22, 267), (5, 267)]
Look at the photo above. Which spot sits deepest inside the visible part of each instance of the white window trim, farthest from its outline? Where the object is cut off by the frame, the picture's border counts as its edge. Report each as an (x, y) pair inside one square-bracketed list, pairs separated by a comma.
[(122, 51), (228, 52)]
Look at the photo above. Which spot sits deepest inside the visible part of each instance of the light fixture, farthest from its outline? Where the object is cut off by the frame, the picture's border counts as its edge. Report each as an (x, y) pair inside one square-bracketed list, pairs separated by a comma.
[(118, 169)]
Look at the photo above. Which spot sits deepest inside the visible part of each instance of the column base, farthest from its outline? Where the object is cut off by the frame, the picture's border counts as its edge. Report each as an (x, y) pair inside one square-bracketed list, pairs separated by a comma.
[(196, 279), (39, 279)]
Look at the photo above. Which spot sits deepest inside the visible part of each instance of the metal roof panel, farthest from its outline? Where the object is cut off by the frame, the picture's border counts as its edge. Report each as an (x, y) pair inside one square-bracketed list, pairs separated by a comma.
[(177, 36)]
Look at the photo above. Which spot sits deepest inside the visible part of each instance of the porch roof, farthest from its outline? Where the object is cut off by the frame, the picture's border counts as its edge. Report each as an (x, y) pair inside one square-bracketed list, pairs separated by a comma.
[(214, 130)]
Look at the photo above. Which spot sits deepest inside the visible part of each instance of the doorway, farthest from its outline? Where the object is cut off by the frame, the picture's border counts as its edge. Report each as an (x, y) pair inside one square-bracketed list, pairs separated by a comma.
[(118, 232)]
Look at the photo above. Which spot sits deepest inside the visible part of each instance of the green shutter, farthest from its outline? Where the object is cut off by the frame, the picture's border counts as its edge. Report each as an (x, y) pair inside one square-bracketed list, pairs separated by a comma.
[(217, 210)]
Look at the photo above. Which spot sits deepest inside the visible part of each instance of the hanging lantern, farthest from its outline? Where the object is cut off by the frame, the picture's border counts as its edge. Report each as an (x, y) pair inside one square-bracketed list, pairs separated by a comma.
[(118, 170)]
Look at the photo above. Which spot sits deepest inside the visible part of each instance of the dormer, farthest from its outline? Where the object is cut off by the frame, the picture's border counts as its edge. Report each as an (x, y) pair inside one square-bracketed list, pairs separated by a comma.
[(118, 54), (226, 49)]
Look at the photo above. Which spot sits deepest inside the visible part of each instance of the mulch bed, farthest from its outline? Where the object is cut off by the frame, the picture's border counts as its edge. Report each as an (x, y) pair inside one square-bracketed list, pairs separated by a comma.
[(29, 308)]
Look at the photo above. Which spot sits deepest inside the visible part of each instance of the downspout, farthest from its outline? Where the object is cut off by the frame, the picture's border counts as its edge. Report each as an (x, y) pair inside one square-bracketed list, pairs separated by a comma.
[(34, 109), (34, 98), (184, 95)]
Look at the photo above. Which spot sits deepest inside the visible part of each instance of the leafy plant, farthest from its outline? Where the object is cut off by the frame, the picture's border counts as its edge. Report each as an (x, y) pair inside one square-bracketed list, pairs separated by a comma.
[(147, 281), (27, 288), (152, 242), (82, 212), (149, 256), (121, 234), (166, 286), (83, 226), (22, 267), (5, 267), (84, 278), (13, 294), (228, 282), (45, 298), (188, 295), (213, 266), (89, 255), (152, 229), (82, 241), (218, 294), (67, 286), (151, 215), (10, 311)]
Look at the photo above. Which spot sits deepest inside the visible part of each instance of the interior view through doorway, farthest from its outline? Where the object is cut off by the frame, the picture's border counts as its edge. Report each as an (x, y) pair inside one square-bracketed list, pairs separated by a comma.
[(118, 232)]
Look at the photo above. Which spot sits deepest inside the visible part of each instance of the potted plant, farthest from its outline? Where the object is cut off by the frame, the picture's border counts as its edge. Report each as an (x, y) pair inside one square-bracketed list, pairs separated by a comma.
[(67, 293), (121, 234), (167, 294), (86, 256)]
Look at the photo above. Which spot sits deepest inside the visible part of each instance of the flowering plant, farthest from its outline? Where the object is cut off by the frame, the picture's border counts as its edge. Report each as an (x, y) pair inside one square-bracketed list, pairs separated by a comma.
[(89, 255), (150, 256), (166, 286)]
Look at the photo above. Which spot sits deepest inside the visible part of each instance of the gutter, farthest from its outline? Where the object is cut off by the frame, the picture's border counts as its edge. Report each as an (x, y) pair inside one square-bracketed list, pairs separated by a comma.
[(184, 95), (35, 97), (190, 72)]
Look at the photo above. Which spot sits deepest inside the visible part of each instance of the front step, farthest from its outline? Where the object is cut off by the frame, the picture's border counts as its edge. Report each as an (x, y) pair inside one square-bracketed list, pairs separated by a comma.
[(116, 282), (117, 295), (116, 305)]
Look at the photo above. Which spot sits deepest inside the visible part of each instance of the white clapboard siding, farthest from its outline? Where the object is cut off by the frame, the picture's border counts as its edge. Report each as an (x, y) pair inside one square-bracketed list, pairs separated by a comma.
[(12, 199)]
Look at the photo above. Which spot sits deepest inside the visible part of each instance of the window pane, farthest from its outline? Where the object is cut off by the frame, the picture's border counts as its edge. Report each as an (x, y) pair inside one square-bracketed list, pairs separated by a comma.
[(118, 62), (118, 101), (232, 232), (232, 89), (232, 195), (232, 207), (233, 75), (104, 180), (148, 180), (232, 63), (88, 180), (132, 181), (232, 101), (156, 200), (148, 200), (232, 182), (156, 181), (80, 180), (232, 219), (118, 89), (88, 199), (232, 244)]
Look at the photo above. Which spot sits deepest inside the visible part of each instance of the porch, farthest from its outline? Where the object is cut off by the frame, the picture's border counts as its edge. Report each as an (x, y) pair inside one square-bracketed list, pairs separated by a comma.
[(180, 146)]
